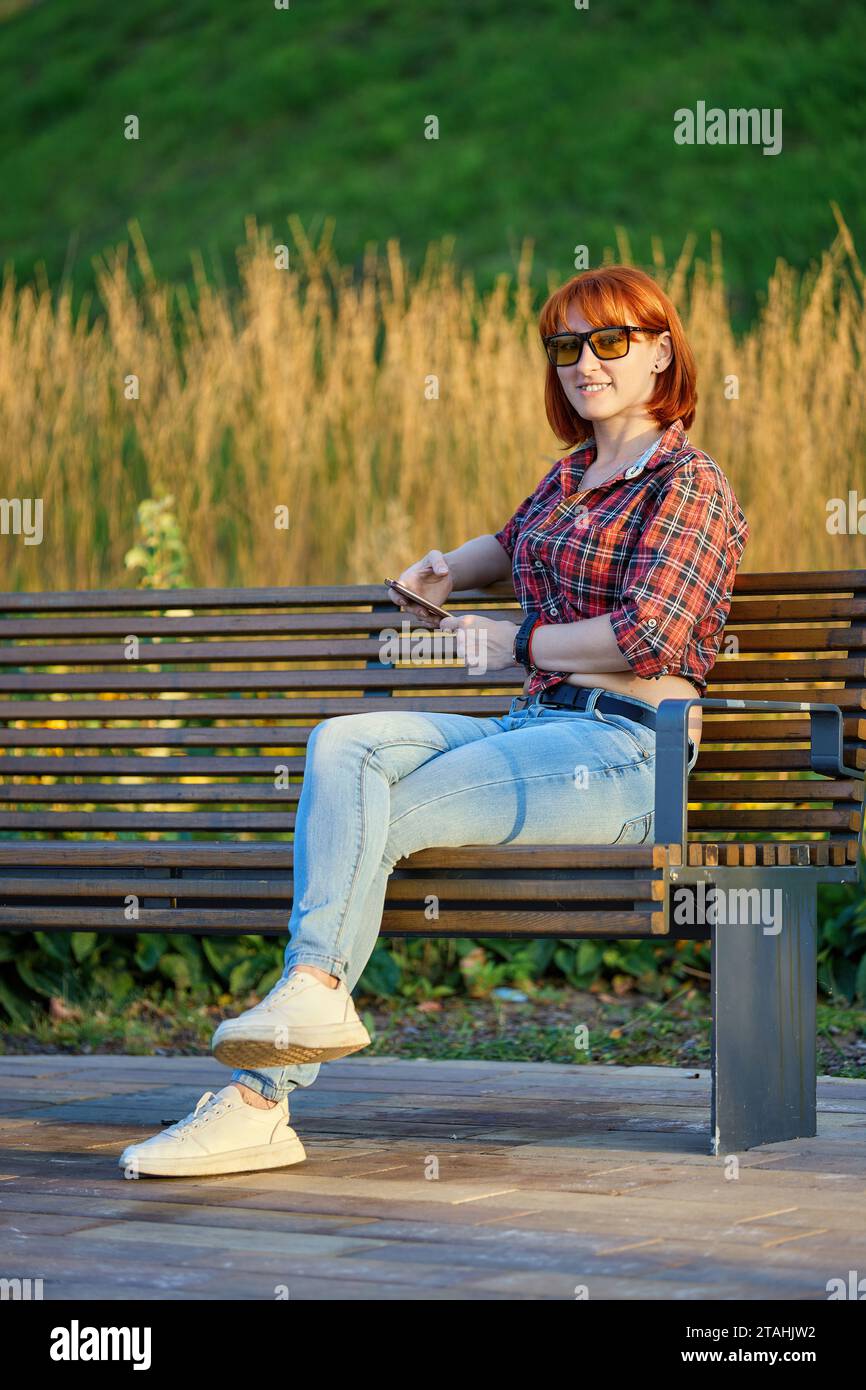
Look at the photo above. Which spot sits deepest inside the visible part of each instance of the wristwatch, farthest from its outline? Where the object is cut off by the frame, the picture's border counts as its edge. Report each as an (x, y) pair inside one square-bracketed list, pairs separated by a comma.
[(520, 651)]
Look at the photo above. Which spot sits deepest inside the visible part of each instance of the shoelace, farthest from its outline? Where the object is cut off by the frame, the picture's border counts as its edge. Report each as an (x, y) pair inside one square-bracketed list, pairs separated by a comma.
[(192, 1121), (181, 1128), (275, 996)]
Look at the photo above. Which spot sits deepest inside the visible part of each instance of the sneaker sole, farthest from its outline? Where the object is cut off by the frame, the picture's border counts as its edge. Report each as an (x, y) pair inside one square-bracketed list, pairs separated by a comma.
[(205, 1166), (264, 1052)]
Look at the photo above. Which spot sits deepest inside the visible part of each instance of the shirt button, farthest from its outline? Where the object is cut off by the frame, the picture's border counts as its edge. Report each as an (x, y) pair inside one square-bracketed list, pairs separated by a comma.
[(537, 564), (650, 622), (555, 612), (664, 670)]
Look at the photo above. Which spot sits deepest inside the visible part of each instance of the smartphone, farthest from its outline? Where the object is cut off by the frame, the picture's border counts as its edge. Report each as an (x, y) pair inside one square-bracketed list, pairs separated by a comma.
[(424, 603)]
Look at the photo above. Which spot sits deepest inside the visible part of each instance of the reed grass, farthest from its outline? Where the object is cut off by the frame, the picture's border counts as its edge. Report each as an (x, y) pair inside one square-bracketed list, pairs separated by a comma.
[(389, 413)]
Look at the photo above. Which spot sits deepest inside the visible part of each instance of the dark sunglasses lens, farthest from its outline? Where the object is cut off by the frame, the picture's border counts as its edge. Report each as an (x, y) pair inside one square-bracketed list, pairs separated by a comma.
[(610, 342), (563, 352)]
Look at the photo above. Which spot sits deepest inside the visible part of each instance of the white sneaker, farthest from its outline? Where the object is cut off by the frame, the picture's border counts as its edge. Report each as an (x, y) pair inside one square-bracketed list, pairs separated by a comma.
[(222, 1135), (299, 1020)]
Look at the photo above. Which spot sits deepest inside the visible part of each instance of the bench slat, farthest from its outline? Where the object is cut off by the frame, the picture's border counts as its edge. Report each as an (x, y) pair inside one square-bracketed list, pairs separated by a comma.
[(192, 623), (305, 596), (319, 706), (458, 922), (227, 857), (237, 765), (453, 889), (763, 729), (344, 649), (720, 821), (376, 678), (264, 854), (792, 789)]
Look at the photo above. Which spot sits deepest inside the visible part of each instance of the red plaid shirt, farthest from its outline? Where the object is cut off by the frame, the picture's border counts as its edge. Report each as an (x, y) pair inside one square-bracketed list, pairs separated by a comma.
[(657, 551)]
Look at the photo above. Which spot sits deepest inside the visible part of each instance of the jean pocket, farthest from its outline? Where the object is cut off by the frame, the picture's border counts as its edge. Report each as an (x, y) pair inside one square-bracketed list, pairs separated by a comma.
[(641, 735), (634, 832)]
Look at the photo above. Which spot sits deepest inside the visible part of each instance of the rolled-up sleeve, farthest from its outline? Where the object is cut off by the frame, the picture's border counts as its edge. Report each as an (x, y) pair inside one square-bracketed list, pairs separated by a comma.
[(677, 573), (547, 491)]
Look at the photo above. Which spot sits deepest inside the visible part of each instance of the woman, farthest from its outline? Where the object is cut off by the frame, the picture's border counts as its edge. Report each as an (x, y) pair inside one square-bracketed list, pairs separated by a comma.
[(623, 560)]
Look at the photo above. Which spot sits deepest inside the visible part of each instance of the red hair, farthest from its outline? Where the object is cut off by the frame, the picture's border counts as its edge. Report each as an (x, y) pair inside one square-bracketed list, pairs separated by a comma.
[(620, 294)]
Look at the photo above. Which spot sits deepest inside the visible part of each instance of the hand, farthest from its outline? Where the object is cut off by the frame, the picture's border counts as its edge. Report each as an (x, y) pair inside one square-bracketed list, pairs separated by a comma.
[(482, 642), (432, 579)]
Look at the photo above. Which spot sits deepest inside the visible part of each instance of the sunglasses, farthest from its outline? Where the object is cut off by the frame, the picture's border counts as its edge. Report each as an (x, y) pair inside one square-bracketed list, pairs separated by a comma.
[(564, 349)]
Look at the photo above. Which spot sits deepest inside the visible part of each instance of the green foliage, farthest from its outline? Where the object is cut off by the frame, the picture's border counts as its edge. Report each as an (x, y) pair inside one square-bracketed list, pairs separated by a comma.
[(161, 552), (38, 966), (75, 967), (319, 110), (842, 944), (383, 974)]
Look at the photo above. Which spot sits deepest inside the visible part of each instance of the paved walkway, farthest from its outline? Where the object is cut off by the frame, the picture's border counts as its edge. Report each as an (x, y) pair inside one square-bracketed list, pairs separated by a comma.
[(427, 1180)]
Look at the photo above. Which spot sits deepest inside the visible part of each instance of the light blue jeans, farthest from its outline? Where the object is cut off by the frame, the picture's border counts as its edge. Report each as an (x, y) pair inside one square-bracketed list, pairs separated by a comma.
[(380, 786)]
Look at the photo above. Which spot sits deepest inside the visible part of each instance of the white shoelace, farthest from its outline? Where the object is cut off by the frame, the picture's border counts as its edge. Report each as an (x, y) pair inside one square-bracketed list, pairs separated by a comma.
[(194, 1119), (276, 995)]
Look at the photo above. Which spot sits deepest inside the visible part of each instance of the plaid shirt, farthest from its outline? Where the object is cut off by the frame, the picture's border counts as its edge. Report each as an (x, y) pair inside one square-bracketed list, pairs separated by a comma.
[(657, 551)]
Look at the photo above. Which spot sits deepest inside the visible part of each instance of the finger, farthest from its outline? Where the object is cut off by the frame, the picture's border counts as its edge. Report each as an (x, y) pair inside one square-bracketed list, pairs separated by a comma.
[(434, 562), (418, 615)]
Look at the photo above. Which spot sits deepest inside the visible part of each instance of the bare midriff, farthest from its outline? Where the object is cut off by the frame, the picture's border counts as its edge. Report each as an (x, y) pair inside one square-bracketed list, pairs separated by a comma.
[(653, 692)]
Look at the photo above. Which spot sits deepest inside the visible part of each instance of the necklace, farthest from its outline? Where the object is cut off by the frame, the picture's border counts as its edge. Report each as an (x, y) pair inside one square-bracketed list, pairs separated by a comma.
[(641, 459)]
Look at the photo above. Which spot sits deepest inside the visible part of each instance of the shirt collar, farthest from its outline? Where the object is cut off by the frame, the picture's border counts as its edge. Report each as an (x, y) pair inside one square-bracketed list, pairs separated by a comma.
[(575, 464)]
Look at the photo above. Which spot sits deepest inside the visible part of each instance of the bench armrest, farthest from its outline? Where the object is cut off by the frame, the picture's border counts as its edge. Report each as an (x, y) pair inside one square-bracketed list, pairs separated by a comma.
[(671, 801)]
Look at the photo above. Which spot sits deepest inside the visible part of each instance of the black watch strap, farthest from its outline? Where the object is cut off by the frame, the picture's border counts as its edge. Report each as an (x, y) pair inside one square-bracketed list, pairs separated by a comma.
[(521, 641)]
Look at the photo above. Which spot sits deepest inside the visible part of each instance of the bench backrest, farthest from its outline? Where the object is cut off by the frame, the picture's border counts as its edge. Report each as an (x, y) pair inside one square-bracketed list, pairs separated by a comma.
[(116, 707)]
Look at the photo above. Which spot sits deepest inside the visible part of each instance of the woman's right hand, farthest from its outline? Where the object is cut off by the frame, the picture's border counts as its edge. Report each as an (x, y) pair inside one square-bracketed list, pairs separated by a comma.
[(430, 577)]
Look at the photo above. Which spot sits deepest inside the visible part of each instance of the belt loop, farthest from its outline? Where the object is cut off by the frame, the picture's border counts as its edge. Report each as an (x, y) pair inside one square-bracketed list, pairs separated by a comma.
[(595, 695)]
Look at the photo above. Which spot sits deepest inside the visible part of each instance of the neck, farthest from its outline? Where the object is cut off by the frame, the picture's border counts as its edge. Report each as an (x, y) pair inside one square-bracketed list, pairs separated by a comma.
[(621, 441)]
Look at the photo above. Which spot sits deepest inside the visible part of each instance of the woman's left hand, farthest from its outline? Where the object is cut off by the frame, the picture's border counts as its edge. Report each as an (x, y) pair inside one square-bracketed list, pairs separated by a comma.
[(482, 643)]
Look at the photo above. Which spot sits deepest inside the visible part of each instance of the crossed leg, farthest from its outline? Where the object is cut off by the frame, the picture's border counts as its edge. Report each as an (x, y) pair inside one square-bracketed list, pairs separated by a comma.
[(381, 786)]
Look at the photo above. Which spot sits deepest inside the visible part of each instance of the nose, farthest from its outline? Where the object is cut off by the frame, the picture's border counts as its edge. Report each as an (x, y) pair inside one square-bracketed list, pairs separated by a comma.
[(586, 362)]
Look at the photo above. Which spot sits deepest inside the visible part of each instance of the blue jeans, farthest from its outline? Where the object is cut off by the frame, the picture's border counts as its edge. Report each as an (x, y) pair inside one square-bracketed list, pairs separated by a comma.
[(380, 786)]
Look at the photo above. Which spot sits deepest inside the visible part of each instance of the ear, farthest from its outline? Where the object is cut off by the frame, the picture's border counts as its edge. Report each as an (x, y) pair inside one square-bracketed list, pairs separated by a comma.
[(664, 351)]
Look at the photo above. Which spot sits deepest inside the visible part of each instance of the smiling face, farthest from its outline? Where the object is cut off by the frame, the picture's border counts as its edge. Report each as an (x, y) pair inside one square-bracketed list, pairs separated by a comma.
[(600, 390)]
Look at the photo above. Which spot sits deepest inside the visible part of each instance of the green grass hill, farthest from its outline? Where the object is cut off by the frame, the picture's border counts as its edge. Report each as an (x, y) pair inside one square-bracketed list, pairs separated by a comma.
[(555, 123)]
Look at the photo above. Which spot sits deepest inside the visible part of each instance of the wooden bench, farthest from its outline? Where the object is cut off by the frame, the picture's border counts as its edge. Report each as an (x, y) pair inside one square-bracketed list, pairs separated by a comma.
[(115, 705)]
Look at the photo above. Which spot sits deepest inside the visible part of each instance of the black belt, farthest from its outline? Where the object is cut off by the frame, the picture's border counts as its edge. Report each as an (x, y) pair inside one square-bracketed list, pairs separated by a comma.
[(577, 697)]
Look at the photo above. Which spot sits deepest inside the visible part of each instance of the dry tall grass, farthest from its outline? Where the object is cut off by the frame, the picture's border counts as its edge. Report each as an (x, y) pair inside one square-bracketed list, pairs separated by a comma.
[(310, 389)]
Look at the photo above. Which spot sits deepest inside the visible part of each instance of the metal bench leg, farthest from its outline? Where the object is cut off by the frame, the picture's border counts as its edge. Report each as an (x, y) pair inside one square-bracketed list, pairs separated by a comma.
[(764, 1038)]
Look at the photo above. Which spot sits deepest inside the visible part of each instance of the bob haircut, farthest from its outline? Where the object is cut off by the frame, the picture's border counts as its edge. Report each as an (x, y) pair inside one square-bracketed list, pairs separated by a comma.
[(615, 294)]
